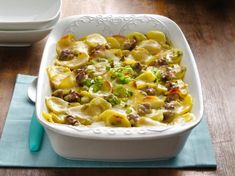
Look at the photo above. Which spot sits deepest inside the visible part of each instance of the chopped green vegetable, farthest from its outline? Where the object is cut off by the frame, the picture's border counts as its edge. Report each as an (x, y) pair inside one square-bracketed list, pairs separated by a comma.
[(113, 100), (158, 75), (97, 84), (123, 75), (108, 68), (87, 82), (124, 79), (129, 110), (122, 92)]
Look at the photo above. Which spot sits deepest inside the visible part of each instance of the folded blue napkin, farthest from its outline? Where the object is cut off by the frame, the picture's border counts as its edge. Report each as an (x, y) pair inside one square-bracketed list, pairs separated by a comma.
[(14, 152)]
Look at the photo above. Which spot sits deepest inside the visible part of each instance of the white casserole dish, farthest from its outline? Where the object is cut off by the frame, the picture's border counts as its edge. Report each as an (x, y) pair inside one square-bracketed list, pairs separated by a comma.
[(106, 143)]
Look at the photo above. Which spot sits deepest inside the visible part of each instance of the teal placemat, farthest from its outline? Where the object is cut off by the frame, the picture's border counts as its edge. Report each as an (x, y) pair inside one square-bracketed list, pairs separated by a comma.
[(197, 153)]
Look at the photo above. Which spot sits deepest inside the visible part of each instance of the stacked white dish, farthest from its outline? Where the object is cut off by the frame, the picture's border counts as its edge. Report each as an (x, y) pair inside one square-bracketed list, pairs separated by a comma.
[(25, 22)]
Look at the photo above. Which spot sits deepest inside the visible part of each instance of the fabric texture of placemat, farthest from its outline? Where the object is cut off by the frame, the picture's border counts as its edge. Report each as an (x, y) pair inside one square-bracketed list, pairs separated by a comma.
[(14, 152)]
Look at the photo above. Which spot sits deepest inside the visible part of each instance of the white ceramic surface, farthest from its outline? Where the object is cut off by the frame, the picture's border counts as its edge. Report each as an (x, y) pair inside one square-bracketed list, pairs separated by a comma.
[(28, 14), (20, 38), (106, 143)]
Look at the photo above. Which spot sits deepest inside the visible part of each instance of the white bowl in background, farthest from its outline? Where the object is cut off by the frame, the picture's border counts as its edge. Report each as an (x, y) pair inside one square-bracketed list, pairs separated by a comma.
[(21, 38), (28, 14), (31, 26), (108, 143)]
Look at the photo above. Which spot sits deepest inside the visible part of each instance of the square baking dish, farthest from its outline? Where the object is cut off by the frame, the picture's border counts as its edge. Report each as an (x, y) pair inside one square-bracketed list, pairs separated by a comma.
[(108, 143)]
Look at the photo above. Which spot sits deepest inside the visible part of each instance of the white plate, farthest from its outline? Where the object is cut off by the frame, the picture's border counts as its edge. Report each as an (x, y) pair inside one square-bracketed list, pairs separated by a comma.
[(28, 14), (118, 143)]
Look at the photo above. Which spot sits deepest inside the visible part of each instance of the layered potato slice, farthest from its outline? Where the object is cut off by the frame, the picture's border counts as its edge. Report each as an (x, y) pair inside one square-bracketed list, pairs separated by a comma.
[(95, 39), (115, 118), (61, 77), (56, 105), (77, 61), (157, 36)]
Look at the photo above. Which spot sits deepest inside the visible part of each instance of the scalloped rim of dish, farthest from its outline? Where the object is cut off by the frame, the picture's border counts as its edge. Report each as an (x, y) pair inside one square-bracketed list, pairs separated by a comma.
[(122, 133)]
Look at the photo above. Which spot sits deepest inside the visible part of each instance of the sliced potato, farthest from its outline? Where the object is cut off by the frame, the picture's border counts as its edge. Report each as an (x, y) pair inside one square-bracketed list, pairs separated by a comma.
[(74, 104), (154, 101), (136, 36), (114, 55), (121, 39), (96, 106), (47, 117), (85, 97), (157, 36), (141, 54), (80, 47), (152, 46), (57, 118), (161, 89), (145, 79), (113, 43), (67, 82), (147, 76), (95, 39), (57, 70), (157, 115), (56, 105), (61, 77), (76, 62), (186, 105), (98, 67), (77, 112), (114, 118), (139, 84), (188, 117), (129, 60), (65, 42), (145, 121)]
